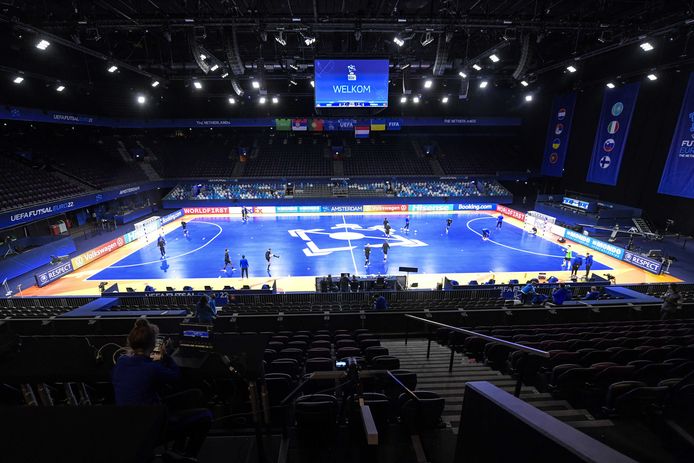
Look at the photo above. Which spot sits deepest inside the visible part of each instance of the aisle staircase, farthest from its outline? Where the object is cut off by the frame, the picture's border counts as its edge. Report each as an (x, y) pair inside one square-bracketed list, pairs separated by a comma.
[(642, 225), (433, 375)]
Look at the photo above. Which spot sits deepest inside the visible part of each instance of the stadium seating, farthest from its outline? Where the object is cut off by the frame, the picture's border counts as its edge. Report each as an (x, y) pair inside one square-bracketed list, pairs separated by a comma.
[(385, 157), (289, 157), (22, 185), (194, 154), (477, 155)]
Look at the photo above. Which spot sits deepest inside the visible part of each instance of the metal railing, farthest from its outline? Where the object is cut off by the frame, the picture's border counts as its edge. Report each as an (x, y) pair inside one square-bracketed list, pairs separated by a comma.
[(520, 347)]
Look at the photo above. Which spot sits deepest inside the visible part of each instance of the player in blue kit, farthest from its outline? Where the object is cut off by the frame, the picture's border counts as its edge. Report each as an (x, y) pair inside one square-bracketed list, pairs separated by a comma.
[(499, 221), (406, 228), (449, 221), (485, 234)]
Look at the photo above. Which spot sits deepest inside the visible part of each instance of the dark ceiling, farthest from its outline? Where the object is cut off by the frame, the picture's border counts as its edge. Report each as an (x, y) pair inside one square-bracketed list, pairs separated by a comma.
[(161, 40)]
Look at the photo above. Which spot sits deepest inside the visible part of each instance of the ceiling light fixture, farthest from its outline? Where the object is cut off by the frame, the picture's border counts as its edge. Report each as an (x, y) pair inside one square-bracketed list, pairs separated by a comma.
[(462, 74), (476, 67), (18, 80), (571, 69), (494, 58), (610, 85), (398, 41), (484, 84), (232, 100), (43, 44), (197, 84), (214, 67), (652, 77), (646, 46), (275, 100), (427, 39), (113, 68), (415, 99), (141, 99), (60, 88), (262, 100), (255, 84), (528, 97), (225, 75), (524, 83), (428, 83), (444, 100), (155, 83), (280, 39), (403, 99)]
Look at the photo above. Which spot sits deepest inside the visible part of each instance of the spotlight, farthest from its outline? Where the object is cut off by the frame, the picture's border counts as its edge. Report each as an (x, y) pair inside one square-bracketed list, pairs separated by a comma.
[(232, 101), (524, 83), (415, 99), (18, 80), (398, 41), (214, 67), (262, 100), (476, 67), (652, 77), (571, 69), (462, 74), (280, 39), (275, 100), (484, 84), (427, 39), (528, 97), (646, 46), (113, 68), (197, 85), (292, 82), (494, 58), (141, 99), (313, 84), (610, 85), (60, 88), (444, 100), (255, 84), (225, 75), (155, 83), (203, 56), (43, 44), (403, 99), (309, 41), (428, 83)]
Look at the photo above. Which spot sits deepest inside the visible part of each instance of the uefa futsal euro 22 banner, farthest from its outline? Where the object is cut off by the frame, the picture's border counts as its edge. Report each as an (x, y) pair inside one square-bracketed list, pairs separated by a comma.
[(611, 136), (557, 143), (678, 175)]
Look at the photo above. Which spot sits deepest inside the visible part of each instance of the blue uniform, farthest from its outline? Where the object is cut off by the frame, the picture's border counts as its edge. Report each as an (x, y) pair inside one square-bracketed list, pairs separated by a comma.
[(485, 233), (576, 263), (499, 221), (560, 295)]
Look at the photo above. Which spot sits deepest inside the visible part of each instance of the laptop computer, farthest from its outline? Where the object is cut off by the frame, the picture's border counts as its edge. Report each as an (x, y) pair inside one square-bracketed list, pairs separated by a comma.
[(194, 347)]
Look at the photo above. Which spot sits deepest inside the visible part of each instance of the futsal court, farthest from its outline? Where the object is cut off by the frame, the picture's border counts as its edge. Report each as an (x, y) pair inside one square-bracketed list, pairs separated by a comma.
[(309, 246)]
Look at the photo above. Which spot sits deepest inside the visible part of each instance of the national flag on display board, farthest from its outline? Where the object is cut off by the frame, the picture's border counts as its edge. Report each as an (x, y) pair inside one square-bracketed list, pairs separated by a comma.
[(378, 125), (361, 131), (283, 124), (317, 125), (331, 125), (300, 125)]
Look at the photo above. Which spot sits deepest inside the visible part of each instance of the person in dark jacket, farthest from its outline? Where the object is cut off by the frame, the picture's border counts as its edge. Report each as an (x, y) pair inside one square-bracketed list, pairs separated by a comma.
[(670, 300), (380, 303), (138, 379), (593, 294), (561, 294), (588, 263), (203, 311)]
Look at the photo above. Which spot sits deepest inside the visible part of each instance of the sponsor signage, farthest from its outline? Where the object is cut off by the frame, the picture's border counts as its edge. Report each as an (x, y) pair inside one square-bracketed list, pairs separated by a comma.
[(53, 273), (385, 208), (597, 245), (430, 207), (206, 210), (578, 204), (511, 212), (98, 252), (476, 207), (264, 210), (171, 217), (354, 208), (646, 263)]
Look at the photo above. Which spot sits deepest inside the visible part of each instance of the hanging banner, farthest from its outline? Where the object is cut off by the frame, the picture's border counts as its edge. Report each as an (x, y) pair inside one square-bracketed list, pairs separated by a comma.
[(557, 143), (615, 117), (678, 175)]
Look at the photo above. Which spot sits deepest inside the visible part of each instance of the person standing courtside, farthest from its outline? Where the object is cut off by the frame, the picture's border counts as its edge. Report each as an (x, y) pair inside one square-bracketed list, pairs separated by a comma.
[(449, 222), (499, 221), (589, 263), (385, 247), (244, 266)]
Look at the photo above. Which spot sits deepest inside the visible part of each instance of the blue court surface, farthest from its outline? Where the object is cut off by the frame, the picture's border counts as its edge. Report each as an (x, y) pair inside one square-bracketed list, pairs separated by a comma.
[(321, 245)]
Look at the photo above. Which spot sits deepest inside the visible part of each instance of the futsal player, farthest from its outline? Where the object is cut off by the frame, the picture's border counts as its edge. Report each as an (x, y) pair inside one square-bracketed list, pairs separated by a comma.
[(576, 264), (449, 221), (268, 257), (161, 242), (385, 248), (227, 261), (407, 225), (589, 263), (367, 254), (568, 257), (184, 226), (387, 230), (499, 221), (485, 234), (385, 222)]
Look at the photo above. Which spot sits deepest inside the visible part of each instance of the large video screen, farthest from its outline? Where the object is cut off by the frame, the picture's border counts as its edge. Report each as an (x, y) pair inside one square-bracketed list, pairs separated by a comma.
[(351, 83)]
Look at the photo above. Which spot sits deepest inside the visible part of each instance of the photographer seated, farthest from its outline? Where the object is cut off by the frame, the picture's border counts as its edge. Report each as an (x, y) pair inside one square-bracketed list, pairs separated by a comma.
[(138, 379)]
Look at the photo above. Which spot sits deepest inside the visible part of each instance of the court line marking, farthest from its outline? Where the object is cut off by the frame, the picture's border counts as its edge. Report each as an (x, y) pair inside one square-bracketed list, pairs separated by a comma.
[(349, 243), (174, 257), (504, 245)]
